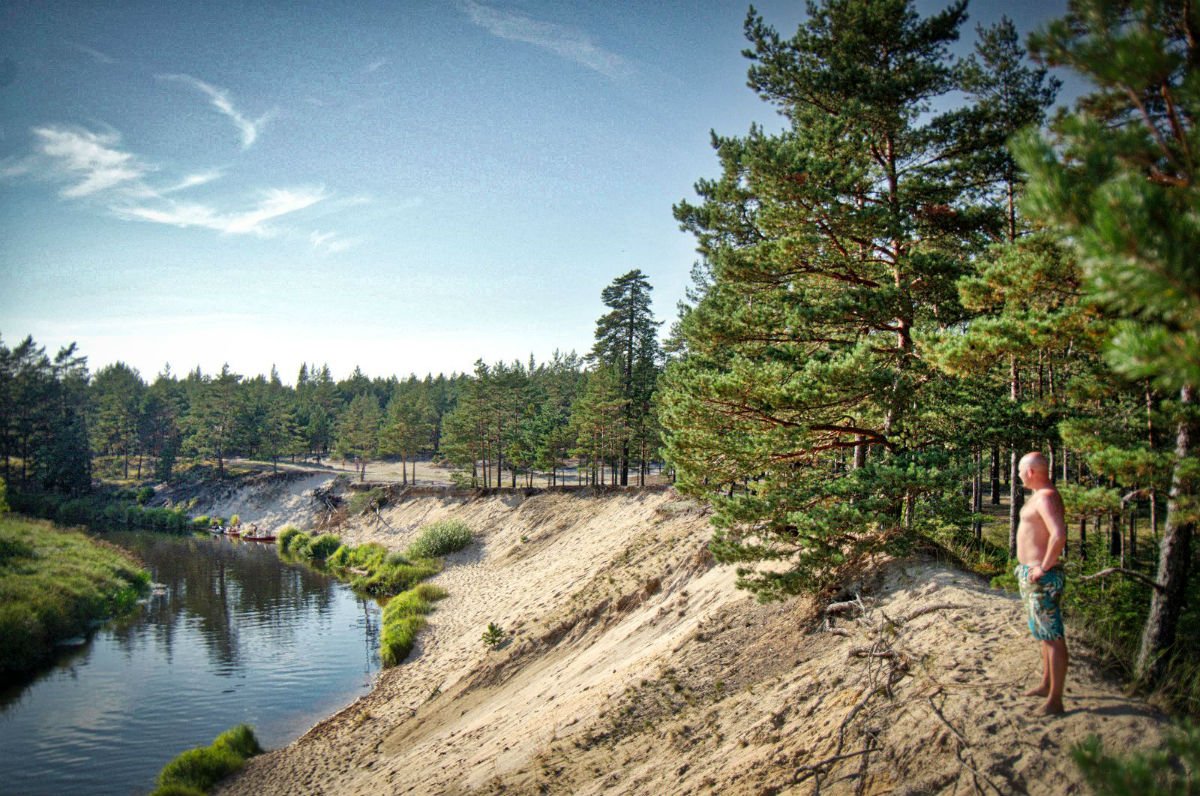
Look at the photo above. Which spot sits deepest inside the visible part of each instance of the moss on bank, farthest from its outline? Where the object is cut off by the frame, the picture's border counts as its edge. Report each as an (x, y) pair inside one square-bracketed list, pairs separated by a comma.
[(55, 584)]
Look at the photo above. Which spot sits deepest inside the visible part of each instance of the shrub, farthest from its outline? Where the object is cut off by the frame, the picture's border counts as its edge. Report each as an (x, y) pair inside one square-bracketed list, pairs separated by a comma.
[(1173, 768), (3, 496), (340, 558), (144, 494), (440, 538), (493, 637), (414, 602), (74, 512), (197, 770), (393, 578), (235, 521), (240, 740), (287, 538), (200, 768), (202, 523), (323, 546), (176, 790), (398, 638)]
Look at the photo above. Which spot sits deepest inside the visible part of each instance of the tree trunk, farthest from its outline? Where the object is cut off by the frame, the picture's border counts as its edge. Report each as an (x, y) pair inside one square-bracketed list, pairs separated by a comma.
[(995, 475), (1175, 555), (1133, 535), (1083, 539), (977, 496), (1115, 547), (1016, 497)]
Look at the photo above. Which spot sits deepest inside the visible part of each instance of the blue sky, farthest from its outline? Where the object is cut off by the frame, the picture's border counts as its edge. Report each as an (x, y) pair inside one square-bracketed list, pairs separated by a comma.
[(403, 186)]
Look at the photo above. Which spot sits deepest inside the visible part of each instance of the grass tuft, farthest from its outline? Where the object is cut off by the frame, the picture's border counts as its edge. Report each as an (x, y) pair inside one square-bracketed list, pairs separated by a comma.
[(198, 770), (440, 538)]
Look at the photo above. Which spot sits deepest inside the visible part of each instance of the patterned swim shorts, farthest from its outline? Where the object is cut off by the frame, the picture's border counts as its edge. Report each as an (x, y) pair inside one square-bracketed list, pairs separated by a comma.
[(1043, 601)]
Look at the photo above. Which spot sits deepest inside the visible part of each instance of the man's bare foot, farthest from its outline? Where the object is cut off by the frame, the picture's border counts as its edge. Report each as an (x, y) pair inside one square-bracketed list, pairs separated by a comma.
[(1041, 690), (1051, 708)]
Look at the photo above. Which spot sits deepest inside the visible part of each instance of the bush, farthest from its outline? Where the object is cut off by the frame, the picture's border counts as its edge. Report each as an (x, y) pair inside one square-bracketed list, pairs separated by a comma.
[(494, 636), (1171, 769), (200, 768), (75, 512), (414, 602), (144, 495), (240, 740), (197, 770), (287, 537), (398, 638), (176, 790), (201, 523), (323, 546), (393, 578), (340, 558), (440, 538), (3, 496)]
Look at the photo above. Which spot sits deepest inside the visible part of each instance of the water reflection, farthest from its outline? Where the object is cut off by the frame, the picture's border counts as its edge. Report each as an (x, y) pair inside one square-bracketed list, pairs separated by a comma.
[(236, 636)]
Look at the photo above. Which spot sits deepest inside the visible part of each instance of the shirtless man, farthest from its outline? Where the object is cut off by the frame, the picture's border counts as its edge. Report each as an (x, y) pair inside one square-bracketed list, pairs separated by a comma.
[(1041, 537)]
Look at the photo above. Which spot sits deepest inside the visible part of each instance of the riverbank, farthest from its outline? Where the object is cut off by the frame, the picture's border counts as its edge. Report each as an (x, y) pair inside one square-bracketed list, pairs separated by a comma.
[(633, 664), (56, 584)]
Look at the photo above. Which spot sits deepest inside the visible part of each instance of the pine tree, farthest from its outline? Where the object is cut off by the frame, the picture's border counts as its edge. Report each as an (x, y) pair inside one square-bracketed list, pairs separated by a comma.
[(1120, 180), (627, 340), (214, 420), (358, 432), (801, 406)]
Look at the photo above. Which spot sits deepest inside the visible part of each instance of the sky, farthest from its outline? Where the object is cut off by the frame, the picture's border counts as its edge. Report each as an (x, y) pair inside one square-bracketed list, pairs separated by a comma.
[(403, 186)]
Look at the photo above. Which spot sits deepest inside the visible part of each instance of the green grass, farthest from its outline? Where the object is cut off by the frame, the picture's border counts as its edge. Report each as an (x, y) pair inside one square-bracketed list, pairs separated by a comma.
[(371, 569), (54, 583), (439, 539), (323, 546), (198, 770)]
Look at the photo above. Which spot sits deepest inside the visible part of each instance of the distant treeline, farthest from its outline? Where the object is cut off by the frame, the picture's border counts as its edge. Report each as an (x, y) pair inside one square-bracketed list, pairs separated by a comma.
[(497, 425)]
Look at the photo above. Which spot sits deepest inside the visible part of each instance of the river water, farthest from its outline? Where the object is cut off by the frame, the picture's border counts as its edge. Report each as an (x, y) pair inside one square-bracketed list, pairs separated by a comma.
[(237, 636)]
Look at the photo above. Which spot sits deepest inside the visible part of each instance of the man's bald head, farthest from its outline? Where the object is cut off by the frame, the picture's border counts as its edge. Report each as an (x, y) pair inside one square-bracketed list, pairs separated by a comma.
[(1034, 464)]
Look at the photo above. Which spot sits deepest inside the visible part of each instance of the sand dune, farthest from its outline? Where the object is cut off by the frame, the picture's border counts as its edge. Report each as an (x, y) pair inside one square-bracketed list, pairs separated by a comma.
[(636, 666)]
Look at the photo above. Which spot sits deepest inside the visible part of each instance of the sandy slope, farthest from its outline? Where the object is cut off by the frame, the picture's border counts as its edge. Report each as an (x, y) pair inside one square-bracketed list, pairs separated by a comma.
[(636, 666)]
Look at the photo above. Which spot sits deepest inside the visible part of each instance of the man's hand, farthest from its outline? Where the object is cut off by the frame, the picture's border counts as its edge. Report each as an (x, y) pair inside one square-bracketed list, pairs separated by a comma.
[(1034, 578)]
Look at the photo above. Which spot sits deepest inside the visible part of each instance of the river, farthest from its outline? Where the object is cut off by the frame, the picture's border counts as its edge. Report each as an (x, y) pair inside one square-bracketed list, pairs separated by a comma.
[(236, 636)]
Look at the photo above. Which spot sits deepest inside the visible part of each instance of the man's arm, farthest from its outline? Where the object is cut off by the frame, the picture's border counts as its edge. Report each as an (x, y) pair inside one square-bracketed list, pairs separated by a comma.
[(1050, 507)]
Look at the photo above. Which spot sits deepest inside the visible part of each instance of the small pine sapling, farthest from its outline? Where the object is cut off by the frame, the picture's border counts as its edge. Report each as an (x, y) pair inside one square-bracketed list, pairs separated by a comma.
[(494, 636)]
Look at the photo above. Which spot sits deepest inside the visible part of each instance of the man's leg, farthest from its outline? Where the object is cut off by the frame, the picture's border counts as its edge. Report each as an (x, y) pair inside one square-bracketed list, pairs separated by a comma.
[(1057, 651), (1044, 688)]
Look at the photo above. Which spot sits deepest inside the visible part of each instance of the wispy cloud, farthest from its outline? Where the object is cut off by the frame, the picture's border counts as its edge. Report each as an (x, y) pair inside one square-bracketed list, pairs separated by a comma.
[(94, 54), (331, 242), (95, 167), (249, 128), (569, 43), (90, 160), (192, 181), (375, 66), (273, 204)]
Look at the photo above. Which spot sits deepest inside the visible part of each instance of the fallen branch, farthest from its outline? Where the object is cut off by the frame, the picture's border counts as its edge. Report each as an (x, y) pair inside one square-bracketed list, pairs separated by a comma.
[(1139, 577)]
